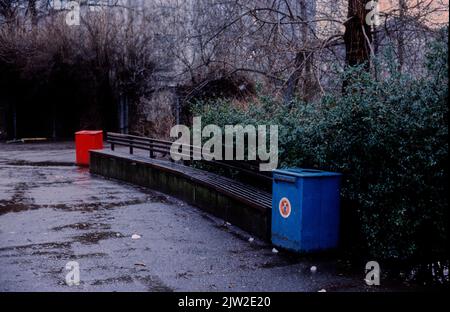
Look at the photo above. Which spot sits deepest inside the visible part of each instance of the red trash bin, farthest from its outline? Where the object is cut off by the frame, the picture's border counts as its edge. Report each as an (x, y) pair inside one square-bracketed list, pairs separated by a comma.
[(86, 141)]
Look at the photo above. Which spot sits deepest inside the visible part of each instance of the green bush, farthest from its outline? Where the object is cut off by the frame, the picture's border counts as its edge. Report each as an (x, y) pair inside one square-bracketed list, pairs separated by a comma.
[(390, 140)]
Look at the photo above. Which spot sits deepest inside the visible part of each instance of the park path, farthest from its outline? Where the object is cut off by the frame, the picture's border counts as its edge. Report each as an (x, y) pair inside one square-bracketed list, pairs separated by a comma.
[(52, 212)]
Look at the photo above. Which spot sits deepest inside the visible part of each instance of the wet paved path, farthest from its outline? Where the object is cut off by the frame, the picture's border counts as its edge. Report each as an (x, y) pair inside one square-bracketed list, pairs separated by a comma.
[(52, 212)]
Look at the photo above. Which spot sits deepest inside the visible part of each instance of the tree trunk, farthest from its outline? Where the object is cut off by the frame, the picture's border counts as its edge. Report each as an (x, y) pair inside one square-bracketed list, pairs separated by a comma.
[(293, 80), (357, 35), (308, 14), (401, 35), (32, 10), (357, 38), (304, 59)]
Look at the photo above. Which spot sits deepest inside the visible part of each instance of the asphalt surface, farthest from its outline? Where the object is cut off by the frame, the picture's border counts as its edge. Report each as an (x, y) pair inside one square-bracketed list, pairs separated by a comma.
[(52, 212)]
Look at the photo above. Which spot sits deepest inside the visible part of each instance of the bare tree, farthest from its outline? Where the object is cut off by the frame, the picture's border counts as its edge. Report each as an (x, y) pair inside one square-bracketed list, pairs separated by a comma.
[(292, 48), (357, 35), (32, 11)]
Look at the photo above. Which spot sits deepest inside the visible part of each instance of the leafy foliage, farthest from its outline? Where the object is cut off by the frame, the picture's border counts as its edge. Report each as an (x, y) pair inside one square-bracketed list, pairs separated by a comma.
[(390, 140)]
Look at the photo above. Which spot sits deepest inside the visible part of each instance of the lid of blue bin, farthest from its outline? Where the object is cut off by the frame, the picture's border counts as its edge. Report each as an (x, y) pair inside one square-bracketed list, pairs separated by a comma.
[(306, 173)]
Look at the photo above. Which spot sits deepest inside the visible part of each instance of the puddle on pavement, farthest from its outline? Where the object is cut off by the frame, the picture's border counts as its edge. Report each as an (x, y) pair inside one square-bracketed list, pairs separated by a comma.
[(15, 207), (96, 206), (154, 284), (96, 237), (23, 163), (18, 205), (60, 250), (91, 255), (114, 280), (82, 227), (18, 202), (59, 255)]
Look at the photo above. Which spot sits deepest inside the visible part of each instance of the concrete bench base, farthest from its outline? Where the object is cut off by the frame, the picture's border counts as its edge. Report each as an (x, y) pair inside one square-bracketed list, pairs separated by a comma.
[(190, 185)]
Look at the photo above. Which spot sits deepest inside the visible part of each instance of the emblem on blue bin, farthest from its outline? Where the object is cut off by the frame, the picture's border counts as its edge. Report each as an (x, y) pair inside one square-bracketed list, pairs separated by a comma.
[(285, 207)]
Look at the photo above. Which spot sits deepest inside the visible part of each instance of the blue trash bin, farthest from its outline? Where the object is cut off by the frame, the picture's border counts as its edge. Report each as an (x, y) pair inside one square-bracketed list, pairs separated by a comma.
[(305, 209)]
